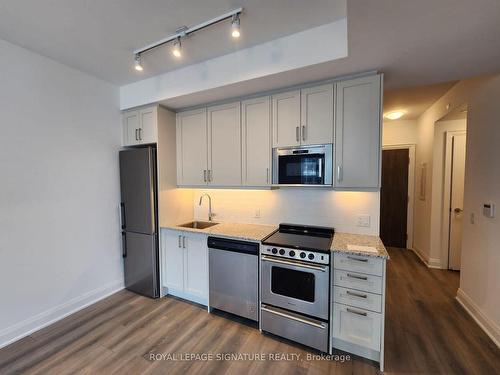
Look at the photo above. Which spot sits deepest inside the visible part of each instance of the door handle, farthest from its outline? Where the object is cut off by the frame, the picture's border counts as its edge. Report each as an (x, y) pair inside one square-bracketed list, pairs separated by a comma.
[(179, 244), (183, 242), (303, 133), (458, 210), (209, 175), (124, 245), (140, 134), (122, 212), (136, 138), (267, 175), (339, 173), (205, 175), (297, 137)]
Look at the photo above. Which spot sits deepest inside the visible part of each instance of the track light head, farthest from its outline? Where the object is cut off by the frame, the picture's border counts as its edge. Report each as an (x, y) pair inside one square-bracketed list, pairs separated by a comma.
[(235, 26), (176, 49), (137, 63)]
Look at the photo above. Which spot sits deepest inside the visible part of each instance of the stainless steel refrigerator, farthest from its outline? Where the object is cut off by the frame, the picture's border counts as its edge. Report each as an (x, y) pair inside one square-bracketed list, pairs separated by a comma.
[(139, 215)]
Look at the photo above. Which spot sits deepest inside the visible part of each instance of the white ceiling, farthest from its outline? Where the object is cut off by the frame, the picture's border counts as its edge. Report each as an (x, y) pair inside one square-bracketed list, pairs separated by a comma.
[(414, 101), (99, 36), (414, 43)]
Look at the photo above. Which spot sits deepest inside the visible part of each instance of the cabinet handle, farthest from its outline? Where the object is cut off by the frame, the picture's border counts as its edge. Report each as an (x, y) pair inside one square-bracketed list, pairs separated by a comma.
[(356, 312), (356, 294), (297, 137), (303, 133), (183, 242), (205, 175), (339, 173), (179, 241), (267, 175), (357, 277), (136, 135), (358, 259), (209, 177), (140, 134)]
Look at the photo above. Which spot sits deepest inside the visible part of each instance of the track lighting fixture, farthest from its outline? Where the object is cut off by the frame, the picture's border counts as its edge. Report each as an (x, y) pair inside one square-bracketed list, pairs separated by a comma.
[(235, 26), (176, 48), (183, 31), (137, 64)]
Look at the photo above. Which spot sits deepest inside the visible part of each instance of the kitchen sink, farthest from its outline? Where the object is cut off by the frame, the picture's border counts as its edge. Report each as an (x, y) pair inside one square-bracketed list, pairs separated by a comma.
[(198, 224)]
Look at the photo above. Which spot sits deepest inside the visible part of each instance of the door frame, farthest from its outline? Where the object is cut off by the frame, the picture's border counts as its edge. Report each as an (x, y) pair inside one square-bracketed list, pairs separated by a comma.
[(411, 187), (445, 219)]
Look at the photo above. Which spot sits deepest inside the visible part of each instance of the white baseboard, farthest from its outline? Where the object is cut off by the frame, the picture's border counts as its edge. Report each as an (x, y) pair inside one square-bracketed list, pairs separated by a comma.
[(52, 315), (429, 262), (487, 325)]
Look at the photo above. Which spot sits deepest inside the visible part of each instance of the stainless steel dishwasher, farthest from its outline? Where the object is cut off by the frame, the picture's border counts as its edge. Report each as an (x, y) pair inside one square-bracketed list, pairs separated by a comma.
[(233, 276)]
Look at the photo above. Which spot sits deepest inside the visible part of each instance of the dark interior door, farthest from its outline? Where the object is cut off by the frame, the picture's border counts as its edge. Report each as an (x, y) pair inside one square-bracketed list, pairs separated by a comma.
[(394, 197)]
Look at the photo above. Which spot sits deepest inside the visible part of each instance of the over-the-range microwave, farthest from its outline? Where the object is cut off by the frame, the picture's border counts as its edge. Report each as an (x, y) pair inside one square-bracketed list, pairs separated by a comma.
[(303, 166)]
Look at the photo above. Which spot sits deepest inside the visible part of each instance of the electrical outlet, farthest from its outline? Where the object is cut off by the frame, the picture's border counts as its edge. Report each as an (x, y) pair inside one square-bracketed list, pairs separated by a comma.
[(363, 220)]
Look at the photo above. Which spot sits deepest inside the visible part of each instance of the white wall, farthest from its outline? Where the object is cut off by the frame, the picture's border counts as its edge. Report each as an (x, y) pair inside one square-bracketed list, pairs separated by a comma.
[(300, 206), (399, 132), (59, 242)]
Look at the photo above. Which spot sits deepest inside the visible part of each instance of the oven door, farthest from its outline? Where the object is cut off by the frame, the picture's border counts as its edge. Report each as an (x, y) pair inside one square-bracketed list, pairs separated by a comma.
[(303, 166), (294, 285)]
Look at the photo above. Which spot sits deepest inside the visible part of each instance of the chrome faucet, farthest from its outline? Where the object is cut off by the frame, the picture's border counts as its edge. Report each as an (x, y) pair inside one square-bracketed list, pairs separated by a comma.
[(210, 214)]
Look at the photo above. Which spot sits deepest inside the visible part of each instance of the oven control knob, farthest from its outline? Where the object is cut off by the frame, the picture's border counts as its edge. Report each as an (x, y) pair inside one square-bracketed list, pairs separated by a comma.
[(291, 253), (302, 255), (311, 256), (282, 252), (274, 250)]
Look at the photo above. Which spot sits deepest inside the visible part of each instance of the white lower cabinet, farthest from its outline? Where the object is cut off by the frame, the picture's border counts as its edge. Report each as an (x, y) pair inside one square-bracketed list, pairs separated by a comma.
[(185, 265), (357, 326), (358, 305)]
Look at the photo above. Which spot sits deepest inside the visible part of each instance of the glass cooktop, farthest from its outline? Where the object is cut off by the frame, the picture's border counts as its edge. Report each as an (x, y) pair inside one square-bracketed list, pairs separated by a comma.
[(301, 237)]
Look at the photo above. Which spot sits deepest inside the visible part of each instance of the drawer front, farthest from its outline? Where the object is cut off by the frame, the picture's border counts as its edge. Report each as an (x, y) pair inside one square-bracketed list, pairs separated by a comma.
[(356, 298), (357, 326), (359, 263), (358, 281), (310, 332)]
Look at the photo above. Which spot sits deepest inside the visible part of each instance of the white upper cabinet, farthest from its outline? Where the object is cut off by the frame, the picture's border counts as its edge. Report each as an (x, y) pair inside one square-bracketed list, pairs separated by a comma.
[(286, 119), (256, 141), (357, 133), (140, 126), (317, 115), (224, 146), (191, 133)]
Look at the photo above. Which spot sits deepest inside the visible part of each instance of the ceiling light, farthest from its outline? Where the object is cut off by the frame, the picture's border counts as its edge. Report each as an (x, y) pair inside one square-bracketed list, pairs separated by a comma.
[(235, 26), (137, 64), (176, 49), (394, 115)]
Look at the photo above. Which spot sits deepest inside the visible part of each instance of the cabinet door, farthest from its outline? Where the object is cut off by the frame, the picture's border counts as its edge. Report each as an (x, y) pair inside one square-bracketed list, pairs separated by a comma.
[(256, 127), (192, 147), (224, 145), (196, 269), (317, 115), (357, 133), (357, 326), (173, 261), (286, 119), (130, 128), (148, 125)]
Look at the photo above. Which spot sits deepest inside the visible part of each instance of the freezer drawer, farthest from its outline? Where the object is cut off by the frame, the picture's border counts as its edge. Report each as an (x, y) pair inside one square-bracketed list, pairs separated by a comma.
[(295, 327), (140, 259), (233, 282)]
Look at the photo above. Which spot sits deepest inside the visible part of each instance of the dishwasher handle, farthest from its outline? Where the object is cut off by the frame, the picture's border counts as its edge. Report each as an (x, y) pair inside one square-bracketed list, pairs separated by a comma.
[(235, 246)]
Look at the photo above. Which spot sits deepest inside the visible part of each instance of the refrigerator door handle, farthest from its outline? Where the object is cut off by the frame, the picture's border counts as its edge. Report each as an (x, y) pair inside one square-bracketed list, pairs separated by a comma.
[(122, 212), (124, 244)]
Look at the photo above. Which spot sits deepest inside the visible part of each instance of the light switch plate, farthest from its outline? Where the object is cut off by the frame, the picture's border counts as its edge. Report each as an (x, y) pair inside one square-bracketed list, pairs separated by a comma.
[(489, 210), (363, 221)]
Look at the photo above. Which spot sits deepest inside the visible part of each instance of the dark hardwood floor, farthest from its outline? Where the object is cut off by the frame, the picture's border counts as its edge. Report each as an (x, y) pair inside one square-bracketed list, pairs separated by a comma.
[(427, 332)]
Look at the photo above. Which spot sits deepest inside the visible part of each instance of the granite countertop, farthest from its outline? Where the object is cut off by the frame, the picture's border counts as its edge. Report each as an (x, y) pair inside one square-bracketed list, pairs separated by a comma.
[(341, 242), (249, 232)]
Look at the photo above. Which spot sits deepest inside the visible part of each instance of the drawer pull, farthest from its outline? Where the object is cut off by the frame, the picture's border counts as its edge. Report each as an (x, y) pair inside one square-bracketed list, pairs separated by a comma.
[(357, 277), (356, 294), (356, 312), (364, 260)]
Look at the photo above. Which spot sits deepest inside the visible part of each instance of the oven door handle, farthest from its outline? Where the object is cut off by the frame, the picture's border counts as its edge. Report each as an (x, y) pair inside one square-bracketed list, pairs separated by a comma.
[(297, 264), (307, 321)]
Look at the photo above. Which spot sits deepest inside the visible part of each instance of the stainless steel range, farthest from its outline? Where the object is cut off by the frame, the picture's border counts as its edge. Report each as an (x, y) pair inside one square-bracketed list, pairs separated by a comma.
[(295, 284)]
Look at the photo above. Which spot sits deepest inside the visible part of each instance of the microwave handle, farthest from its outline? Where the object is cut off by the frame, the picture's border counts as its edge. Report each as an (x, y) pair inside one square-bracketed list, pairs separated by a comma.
[(320, 167)]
